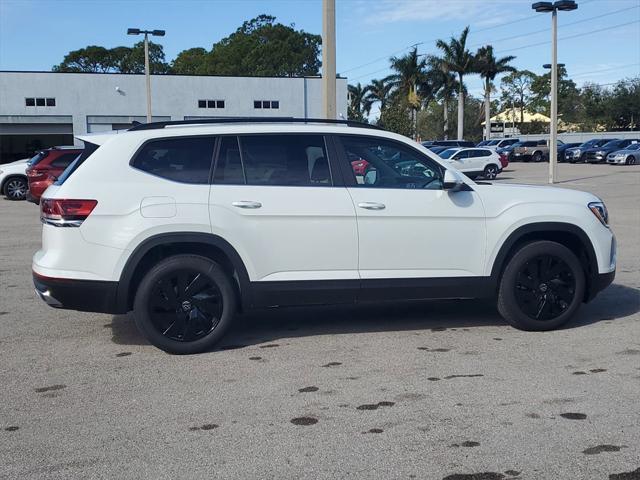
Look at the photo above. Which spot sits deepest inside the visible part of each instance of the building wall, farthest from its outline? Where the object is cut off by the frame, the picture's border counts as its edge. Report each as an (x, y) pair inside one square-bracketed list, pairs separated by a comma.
[(97, 102)]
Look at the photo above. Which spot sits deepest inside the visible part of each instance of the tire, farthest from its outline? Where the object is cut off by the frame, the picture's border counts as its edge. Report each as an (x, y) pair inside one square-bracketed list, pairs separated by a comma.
[(542, 302), (180, 321), (537, 157), (490, 172), (631, 160), (15, 188)]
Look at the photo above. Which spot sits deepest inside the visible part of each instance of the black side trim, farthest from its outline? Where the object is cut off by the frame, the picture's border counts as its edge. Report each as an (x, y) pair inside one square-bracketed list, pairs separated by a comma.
[(549, 227), (167, 239), (308, 292), (82, 295), (425, 288)]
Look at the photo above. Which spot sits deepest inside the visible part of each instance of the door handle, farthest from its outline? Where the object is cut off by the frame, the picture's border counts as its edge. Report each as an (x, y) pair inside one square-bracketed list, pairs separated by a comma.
[(372, 206), (246, 204)]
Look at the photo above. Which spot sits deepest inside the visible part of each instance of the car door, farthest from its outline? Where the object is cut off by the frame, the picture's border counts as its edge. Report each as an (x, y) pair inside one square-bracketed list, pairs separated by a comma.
[(460, 160), (409, 227), (275, 199), (476, 160)]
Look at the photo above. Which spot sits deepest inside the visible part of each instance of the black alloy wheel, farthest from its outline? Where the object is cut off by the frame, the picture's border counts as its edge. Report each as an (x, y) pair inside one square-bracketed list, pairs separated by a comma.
[(545, 287), (631, 160), (185, 303), (16, 188)]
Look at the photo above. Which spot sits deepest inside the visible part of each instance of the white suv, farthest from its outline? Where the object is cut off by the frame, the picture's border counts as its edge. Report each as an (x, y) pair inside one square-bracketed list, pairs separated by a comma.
[(474, 162), (187, 224)]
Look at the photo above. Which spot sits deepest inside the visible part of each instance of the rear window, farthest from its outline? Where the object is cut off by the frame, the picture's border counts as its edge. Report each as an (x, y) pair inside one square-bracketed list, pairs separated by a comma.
[(89, 148), (64, 160), (184, 159)]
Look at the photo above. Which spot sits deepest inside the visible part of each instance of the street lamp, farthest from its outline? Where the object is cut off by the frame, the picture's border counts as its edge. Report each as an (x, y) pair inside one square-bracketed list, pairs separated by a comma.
[(553, 7), (147, 74)]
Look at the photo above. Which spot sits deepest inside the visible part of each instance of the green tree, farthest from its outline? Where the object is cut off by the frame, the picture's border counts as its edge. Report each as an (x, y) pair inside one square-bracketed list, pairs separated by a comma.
[(134, 61), (489, 67), (568, 95), (625, 104), (446, 87), (516, 90), (92, 59), (358, 107), (396, 117), (263, 47), (378, 92), (458, 59), (192, 61)]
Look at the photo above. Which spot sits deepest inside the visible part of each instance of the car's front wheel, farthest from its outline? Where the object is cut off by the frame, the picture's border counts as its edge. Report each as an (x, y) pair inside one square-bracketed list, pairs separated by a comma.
[(184, 304), (631, 160), (542, 286), (16, 188), (537, 157), (490, 172)]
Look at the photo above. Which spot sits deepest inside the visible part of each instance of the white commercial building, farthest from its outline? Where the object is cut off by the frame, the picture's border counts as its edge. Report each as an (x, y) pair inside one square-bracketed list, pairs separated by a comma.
[(42, 109)]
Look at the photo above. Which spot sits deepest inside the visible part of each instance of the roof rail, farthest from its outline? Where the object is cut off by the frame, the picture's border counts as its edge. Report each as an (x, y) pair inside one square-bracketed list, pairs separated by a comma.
[(158, 125)]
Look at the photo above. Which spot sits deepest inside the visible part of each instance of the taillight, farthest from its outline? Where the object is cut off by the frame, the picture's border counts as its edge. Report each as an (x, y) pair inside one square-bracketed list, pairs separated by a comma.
[(65, 212), (35, 174)]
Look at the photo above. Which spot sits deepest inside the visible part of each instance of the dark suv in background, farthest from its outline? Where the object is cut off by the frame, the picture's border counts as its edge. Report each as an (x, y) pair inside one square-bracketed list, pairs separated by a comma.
[(576, 154), (599, 154), (46, 167)]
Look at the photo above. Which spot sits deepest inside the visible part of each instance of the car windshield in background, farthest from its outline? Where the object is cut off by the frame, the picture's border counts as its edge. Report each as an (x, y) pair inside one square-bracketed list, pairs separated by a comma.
[(448, 153), (613, 144), (493, 142)]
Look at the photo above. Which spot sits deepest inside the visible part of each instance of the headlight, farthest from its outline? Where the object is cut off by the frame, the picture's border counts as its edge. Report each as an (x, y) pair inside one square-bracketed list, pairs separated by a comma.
[(600, 211), (600, 152)]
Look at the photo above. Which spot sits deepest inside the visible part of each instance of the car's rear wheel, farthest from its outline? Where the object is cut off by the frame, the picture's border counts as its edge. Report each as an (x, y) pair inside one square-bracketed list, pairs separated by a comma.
[(185, 304), (16, 188), (631, 160), (490, 172), (542, 286), (537, 157)]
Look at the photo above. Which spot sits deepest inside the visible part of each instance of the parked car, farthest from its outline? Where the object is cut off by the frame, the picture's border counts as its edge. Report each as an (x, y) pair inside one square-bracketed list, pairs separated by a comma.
[(447, 143), (562, 150), (599, 154), (576, 154), (630, 155), (504, 160), (534, 150), (500, 143), (187, 223), (508, 150), (46, 167), (474, 162), (13, 180)]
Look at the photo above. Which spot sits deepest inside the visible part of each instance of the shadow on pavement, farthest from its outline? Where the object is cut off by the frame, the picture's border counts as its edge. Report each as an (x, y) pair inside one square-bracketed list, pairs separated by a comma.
[(262, 326)]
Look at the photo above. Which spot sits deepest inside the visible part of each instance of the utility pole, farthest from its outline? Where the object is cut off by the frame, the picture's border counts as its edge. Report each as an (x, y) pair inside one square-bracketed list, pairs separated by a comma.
[(553, 141), (147, 72), (329, 58)]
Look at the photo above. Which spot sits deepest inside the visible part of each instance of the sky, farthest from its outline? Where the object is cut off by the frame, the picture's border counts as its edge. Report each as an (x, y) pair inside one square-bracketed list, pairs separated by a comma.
[(599, 42)]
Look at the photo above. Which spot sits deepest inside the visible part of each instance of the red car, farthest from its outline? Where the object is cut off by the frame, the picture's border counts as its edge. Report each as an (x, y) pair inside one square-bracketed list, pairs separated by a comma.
[(45, 168)]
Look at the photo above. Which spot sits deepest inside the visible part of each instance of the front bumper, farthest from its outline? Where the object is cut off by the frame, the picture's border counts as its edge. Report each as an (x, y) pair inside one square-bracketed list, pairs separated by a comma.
[(82, 295), (599, 283), (621, 160)]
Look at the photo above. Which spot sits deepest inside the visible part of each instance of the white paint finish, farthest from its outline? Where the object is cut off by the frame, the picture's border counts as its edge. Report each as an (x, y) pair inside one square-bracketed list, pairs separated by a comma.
[(420, 233), (18, 167), (158, 207), (298, 233), (474, 163)]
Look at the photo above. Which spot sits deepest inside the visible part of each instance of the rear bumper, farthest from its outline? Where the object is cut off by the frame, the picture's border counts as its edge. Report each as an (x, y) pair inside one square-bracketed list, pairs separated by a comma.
[(83, 295)]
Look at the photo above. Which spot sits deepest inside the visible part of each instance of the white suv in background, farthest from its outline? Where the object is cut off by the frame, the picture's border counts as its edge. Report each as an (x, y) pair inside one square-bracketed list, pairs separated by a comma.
[(474, 162), (13, 179), (187, 224)]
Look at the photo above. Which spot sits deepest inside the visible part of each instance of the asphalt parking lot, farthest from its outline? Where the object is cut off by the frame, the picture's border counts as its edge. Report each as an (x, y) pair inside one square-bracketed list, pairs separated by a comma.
[(427, 390)]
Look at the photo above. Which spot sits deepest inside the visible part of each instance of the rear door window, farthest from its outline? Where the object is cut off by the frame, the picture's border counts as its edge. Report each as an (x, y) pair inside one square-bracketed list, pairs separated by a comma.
[(183, 159), (285, 160)]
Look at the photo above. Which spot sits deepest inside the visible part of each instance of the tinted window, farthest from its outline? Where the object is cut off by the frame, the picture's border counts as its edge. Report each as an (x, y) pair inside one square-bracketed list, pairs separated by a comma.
[(186, 160), (89, 148), (391, 164), (51, 102), (229, 165), (614, 144), (529, 144), (64, 160), (30, 102), (462, 154), (40, 102), (447, 153), (466, 144), (286, 160)]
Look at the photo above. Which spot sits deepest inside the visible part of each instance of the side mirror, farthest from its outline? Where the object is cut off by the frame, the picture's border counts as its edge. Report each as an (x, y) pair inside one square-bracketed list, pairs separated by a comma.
[(452, 182)]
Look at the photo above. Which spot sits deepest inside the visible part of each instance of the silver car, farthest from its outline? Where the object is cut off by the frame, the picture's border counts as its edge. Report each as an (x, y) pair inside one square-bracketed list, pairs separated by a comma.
[(628, 156)]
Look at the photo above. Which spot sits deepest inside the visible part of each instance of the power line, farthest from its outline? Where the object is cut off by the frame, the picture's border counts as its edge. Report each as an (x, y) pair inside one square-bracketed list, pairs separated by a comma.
[(590, 32)]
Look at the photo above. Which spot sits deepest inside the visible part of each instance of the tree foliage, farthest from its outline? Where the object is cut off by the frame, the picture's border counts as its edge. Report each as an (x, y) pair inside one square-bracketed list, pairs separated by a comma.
[(97, 59)]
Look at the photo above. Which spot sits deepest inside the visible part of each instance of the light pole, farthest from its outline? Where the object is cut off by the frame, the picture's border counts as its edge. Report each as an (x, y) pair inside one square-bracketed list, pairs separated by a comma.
[(329, 58), (147, 74), (553, 7)]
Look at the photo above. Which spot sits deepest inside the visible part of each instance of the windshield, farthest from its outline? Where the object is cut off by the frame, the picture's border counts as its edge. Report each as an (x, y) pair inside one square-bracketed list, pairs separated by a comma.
[(613, 144), (634, 146), (448, 153), (493, 142), (482, 143)]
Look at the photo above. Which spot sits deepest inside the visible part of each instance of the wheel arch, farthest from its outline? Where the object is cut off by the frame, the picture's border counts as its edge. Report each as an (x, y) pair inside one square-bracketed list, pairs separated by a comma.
[(569, 235), (161, 246)]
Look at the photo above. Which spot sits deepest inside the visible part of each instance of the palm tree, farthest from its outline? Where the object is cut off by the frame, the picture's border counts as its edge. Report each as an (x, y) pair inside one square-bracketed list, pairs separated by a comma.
[(459, 60), (410, 71), (378, 92), (359, 108), (489, 67), (445, 86)]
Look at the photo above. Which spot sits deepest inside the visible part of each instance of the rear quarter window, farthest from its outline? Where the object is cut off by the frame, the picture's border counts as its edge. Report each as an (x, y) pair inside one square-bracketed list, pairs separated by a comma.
[(184, 159)]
